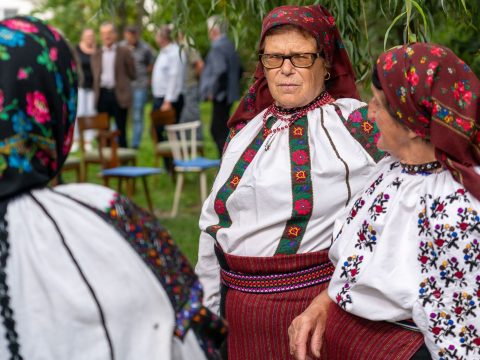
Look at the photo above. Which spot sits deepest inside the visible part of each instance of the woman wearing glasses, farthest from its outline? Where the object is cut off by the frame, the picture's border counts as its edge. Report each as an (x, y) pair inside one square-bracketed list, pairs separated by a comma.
[(299, 148)]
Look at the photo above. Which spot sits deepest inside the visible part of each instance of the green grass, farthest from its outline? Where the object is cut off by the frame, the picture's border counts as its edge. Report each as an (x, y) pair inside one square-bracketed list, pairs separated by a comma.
[(184, 228)]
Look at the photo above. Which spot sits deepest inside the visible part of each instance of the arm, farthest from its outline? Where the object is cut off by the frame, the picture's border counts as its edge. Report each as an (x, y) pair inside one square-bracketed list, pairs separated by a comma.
[(208, 271), (130, 65), (174, 72), (215, 66), (309, 323)]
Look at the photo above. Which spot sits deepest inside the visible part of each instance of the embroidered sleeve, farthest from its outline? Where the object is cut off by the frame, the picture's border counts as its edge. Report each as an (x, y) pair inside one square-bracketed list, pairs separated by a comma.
[(449, 255), (363, 130), (233, 131)]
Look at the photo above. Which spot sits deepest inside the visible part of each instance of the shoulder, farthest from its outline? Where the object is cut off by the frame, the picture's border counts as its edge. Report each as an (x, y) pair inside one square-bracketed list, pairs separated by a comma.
[(354, 115), (96, 196)]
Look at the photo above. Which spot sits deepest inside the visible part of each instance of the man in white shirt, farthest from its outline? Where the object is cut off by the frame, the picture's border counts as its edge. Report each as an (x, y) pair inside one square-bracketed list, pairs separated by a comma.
[(167, 77)]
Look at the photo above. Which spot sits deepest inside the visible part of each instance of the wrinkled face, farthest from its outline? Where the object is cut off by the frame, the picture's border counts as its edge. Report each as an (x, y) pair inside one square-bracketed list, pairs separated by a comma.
[(107, 34), (291, 86), (394, 137)]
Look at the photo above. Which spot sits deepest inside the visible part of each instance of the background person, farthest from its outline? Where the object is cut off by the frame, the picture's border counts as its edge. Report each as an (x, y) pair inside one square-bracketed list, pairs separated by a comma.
[(113, 70), (144, 58), (286, 171), (220, 79), (84, 273), (408, 247)]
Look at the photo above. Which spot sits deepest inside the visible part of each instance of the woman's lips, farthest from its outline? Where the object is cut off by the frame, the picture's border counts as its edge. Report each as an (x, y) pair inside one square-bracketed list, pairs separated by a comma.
[(288, 87)]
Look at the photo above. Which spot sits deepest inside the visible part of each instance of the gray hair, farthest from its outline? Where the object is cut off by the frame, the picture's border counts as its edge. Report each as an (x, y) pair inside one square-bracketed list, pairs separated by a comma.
[(217, 22), (165, 32), (109, 23)]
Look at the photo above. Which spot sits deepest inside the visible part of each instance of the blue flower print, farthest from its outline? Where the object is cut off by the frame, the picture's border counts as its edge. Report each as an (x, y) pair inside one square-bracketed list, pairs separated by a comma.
[(21, 124), (11, 38), (15, 160)]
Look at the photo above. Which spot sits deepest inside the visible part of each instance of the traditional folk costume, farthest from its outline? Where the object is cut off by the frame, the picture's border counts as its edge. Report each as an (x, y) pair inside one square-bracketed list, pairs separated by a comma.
[(84, 273), (408, 246), (267, 224)]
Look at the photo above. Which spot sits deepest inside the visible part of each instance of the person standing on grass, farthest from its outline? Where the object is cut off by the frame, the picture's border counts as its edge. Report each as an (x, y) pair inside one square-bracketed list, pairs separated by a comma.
[(220, 80)]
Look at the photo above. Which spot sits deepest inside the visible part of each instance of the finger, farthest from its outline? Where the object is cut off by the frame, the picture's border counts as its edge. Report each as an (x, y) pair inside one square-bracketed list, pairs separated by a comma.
[(300, 343), (317, 340)]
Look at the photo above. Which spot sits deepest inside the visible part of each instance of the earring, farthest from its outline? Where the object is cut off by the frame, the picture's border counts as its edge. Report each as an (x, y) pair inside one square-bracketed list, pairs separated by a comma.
[(327, 77)]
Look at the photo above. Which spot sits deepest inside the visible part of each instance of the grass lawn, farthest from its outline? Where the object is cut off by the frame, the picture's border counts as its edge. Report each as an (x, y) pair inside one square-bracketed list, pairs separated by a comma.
[(184, 228)]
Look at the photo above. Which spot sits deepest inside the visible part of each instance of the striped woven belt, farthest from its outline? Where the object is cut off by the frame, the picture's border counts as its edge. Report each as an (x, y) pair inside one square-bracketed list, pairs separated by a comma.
[(278, 282)]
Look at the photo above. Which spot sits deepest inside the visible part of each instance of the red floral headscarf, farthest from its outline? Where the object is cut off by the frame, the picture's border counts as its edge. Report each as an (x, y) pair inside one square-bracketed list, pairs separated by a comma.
[(435, 94), (318, 21)]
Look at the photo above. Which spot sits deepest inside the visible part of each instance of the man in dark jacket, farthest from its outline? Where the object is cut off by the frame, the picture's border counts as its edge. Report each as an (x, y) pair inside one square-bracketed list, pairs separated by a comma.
[(220, 80), (113, 70)]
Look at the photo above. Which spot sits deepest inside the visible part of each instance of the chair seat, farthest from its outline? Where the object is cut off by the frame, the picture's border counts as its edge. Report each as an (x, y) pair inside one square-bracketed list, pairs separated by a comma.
[(131, 171), (197, 164), (122, 153), (72, 162)]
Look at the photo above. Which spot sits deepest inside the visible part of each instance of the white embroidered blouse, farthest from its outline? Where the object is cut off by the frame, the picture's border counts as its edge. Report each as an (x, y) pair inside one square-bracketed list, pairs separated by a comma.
[(310, 169), (408, 248)]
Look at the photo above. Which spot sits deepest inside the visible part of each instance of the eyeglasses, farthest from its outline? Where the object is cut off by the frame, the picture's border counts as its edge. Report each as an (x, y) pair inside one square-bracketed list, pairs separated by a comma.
[(303, 60)]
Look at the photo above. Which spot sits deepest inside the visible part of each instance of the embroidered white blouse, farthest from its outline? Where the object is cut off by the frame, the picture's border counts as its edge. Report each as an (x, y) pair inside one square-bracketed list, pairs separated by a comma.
[(55, 314), (263, 199), (408, 248)]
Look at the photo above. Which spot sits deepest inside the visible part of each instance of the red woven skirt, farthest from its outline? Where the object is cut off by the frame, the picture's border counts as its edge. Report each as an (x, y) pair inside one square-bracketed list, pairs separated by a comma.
[(258, 311), (349, 337)]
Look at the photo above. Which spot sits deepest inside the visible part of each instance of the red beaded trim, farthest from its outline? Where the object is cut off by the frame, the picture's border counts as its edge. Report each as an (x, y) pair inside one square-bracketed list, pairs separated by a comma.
[(323, 99)]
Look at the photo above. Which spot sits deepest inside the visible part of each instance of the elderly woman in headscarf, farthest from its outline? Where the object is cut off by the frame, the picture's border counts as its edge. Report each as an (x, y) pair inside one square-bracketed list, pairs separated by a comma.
[(299, 147), (84, 273), (408, 252)]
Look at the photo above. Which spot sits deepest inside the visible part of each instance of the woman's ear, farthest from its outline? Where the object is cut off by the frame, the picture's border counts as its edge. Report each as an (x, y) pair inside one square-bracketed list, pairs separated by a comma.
[(412, 134)]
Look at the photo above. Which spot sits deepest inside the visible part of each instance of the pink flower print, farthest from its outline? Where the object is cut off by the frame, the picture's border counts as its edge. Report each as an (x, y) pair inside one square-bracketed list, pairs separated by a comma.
[(53, 54), (376, 137), (436, 51), (37, 107), (466, 125), (303, 207), (22, 74), (1, 100), (219, 207), (389, 62), (20, 25), (331, 20), (356, 117), (68, 141), (249, 155), (300, 157), (412, 77), (55, 33)]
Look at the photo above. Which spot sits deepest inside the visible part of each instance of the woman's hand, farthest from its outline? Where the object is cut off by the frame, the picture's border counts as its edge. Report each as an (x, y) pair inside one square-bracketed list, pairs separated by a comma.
[(310, 322)]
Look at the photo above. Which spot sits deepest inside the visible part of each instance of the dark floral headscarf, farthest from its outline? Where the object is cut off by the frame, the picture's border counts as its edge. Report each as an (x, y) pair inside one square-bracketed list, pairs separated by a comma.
[(318, 21), (38, 96), (435, 94)]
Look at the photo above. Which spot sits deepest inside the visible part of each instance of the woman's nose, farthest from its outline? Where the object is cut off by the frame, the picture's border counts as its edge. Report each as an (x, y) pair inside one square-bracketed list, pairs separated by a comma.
[(287, 67)]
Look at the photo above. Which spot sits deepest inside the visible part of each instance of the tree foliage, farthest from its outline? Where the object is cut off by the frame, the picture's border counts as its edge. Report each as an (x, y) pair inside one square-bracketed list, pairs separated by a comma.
[(367, 26)]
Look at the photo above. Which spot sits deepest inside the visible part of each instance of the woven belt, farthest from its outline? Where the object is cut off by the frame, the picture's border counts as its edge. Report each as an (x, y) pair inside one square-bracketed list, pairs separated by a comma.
[(278, 282)]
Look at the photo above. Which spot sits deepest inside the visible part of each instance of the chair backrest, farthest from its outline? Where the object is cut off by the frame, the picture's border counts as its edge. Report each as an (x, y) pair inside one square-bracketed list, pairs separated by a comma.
[(183, 139), (100, 121), (161, 118), (108, 139)]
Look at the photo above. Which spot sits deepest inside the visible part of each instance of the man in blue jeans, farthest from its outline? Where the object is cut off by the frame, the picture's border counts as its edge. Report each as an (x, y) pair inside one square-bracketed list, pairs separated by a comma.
[(144, 58)]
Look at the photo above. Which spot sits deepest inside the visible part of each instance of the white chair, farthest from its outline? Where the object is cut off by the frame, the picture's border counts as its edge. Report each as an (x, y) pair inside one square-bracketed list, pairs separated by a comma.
[(183, 143)]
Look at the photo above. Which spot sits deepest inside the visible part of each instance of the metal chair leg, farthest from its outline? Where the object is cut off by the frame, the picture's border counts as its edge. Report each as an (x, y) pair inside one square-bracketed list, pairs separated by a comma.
[(178, 192), (203, 186)]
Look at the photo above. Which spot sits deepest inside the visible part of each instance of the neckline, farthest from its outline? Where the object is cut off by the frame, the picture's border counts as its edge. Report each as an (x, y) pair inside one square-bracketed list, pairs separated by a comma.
[(424, 169)]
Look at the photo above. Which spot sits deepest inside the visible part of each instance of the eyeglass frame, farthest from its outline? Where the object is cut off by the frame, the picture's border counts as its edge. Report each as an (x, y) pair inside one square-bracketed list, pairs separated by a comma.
[(289, 57)]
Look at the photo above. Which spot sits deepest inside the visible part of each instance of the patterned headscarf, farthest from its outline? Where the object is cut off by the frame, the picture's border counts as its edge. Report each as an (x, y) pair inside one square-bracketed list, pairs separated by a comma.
[(38, 96), (316, 20), (435, 94)]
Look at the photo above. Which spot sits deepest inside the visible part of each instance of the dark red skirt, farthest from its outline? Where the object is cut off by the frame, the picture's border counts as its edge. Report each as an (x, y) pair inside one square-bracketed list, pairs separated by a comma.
[(349, 337), (258, 323)]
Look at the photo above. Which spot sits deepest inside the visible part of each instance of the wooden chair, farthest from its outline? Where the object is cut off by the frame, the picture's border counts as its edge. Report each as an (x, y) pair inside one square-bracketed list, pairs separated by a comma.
[(100, 122), (111, 167), (159, 119), (72, 163), (183, 142)]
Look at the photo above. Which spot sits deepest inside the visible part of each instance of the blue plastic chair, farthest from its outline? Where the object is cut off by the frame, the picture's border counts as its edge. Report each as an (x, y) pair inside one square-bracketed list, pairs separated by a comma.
[(183, 143), (128, 173)]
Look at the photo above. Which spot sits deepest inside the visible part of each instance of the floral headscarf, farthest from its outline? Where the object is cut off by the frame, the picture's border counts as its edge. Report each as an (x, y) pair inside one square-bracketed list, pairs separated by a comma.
[(318, 21), (435, 94), (38, 96)]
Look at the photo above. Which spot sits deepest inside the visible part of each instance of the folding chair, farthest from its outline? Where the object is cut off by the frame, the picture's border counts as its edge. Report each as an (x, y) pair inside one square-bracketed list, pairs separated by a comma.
[(183, 142)]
